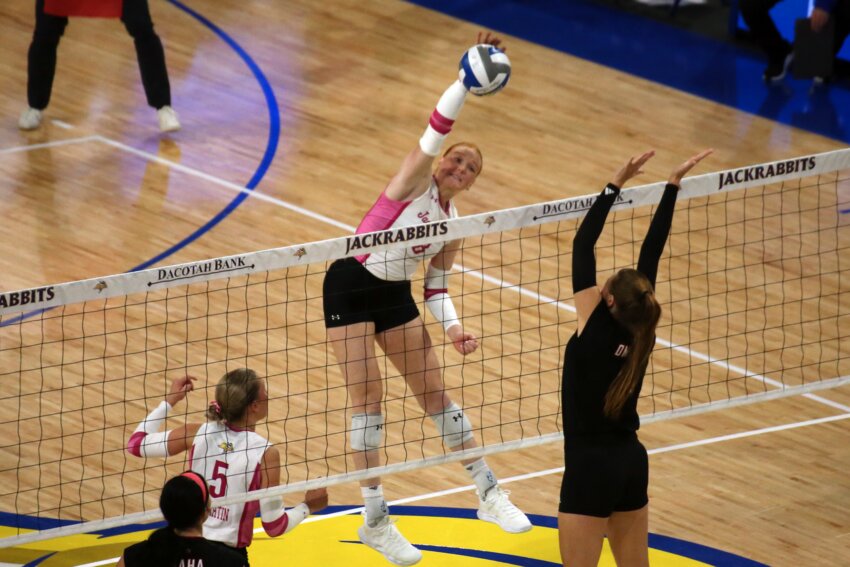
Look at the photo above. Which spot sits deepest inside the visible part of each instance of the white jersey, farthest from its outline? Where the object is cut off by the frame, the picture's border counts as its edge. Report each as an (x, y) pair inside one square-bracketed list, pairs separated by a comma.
[(230, 461), (400, 264)]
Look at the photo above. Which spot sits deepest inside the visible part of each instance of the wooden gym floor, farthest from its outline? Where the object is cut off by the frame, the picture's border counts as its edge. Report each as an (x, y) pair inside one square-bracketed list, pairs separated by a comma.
[(348, 86)]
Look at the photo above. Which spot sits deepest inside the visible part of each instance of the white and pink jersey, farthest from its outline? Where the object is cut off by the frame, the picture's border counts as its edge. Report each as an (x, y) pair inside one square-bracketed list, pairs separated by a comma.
[(400, 264), (229, 459)]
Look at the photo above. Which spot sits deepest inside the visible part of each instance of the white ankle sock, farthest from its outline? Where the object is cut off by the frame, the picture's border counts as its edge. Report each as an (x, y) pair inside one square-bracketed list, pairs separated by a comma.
[(482, 476), (376, 506)]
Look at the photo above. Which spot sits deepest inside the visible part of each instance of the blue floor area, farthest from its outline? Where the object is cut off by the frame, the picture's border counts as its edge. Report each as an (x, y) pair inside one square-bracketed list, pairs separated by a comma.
[(719, 71)]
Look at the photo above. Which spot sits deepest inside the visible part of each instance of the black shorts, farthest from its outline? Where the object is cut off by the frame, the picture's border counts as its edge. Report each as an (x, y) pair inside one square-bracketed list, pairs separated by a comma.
[(352, 294), (602, 478)]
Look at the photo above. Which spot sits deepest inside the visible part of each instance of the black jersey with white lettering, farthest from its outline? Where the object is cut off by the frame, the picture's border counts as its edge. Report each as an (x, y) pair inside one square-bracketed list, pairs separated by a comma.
[(592, 361), (165, 549)]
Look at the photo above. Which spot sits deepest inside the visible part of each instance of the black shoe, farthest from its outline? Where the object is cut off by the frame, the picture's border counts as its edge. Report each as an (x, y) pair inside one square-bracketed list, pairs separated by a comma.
[(778, 68)]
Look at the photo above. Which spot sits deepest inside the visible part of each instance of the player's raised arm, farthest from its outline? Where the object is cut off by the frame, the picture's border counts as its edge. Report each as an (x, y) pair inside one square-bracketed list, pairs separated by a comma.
[(659, 228), (587, 295), (484, 69), (148, 441)]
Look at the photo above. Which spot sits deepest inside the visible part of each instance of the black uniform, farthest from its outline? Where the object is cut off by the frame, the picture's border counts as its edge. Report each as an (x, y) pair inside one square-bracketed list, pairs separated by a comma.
[(606, 467), (165, 549)]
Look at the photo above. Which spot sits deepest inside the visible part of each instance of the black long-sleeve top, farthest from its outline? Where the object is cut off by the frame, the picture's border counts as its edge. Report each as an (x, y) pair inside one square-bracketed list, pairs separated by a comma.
[(163, 548), (593, 359)]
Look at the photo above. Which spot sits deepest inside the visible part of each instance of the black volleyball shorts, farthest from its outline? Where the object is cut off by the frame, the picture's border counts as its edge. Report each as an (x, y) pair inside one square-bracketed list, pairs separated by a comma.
[(352, 294), (600, 479)]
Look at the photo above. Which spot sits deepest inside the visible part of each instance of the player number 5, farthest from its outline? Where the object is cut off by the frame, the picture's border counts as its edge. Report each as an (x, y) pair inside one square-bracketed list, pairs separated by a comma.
[(218, 482)]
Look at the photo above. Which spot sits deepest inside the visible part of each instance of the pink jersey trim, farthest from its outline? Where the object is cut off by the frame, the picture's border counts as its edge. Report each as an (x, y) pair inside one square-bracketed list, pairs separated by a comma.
[(447, 207), (278, 526), (429, 293), (246, 522), (381, 216), (134, 444)]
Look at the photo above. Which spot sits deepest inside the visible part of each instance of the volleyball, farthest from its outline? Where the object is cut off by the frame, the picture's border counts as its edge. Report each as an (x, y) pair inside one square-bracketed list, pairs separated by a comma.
[(484, 69)]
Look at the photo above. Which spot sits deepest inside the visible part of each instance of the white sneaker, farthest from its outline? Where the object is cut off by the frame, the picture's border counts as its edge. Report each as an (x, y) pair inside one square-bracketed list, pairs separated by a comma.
[(168, 121), (386, 539), (497, 508), (30, 119)]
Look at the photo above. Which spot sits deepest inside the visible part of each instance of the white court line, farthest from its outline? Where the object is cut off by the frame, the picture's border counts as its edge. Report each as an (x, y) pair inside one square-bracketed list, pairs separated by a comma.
[(56, 144), (99, 563), (183, 169), (221, 182), (495, 281), (673, 346), (316, 216), (557, 470), (63, 125)]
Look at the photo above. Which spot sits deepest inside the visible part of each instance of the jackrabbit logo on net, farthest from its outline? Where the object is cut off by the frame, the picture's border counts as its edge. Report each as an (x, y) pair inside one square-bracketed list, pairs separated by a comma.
[(404, 234), (765, 172), (27, 296)]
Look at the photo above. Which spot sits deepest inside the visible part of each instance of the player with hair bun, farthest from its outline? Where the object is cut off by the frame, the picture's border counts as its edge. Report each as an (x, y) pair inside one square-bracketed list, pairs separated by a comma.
[(227, 451), (367, 300)]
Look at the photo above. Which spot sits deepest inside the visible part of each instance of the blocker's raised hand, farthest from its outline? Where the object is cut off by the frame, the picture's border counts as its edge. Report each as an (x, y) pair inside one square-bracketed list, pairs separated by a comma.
[(677, 174), (631, 168)]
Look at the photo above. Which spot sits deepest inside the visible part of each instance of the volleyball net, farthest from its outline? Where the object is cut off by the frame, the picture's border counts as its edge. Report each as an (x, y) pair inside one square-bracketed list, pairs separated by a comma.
[(754, 284)]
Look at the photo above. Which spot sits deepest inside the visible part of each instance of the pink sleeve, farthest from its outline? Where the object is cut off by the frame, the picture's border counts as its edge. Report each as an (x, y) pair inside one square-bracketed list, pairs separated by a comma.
[(381, 216), (278, 526), (134, 444)]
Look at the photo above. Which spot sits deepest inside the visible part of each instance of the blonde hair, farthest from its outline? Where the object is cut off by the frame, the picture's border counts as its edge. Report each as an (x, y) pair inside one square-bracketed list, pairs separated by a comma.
[(638, 310), (236, 390)]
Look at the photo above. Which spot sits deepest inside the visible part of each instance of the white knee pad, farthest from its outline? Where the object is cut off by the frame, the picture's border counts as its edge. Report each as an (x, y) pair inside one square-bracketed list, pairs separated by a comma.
[(367, 431), (453, 425)]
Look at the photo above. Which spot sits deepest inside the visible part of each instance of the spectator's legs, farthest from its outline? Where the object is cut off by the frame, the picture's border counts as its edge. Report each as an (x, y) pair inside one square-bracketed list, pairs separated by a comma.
[(756, 14), (41, 59), (842, 23), (149, 52)]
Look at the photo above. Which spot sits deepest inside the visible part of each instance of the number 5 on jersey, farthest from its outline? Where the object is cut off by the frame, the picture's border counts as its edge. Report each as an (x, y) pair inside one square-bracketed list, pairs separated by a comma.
[(218, 482)]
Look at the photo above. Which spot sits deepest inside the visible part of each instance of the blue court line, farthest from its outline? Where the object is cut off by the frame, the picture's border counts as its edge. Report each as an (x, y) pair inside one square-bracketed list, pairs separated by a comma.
[(41, 560), (716, 70), (271, 145), (262, 169), (668, 544), (501, 558), (662, 543)]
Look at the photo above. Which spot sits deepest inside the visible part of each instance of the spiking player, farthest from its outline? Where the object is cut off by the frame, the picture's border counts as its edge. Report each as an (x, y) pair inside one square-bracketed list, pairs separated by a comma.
[(367, 299), (230, 455)]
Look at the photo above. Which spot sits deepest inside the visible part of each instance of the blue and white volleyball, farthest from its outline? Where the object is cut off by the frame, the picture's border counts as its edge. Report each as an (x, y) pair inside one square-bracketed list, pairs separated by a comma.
[(484, 69)]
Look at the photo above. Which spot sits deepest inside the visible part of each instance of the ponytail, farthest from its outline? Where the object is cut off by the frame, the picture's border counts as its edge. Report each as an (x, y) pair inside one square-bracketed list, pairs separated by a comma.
[(236, 390), (638, 310)]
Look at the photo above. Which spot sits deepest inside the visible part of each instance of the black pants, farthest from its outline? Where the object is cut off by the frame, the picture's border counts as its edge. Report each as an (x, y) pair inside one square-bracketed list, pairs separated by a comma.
[(41, 60), (756, 14)]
